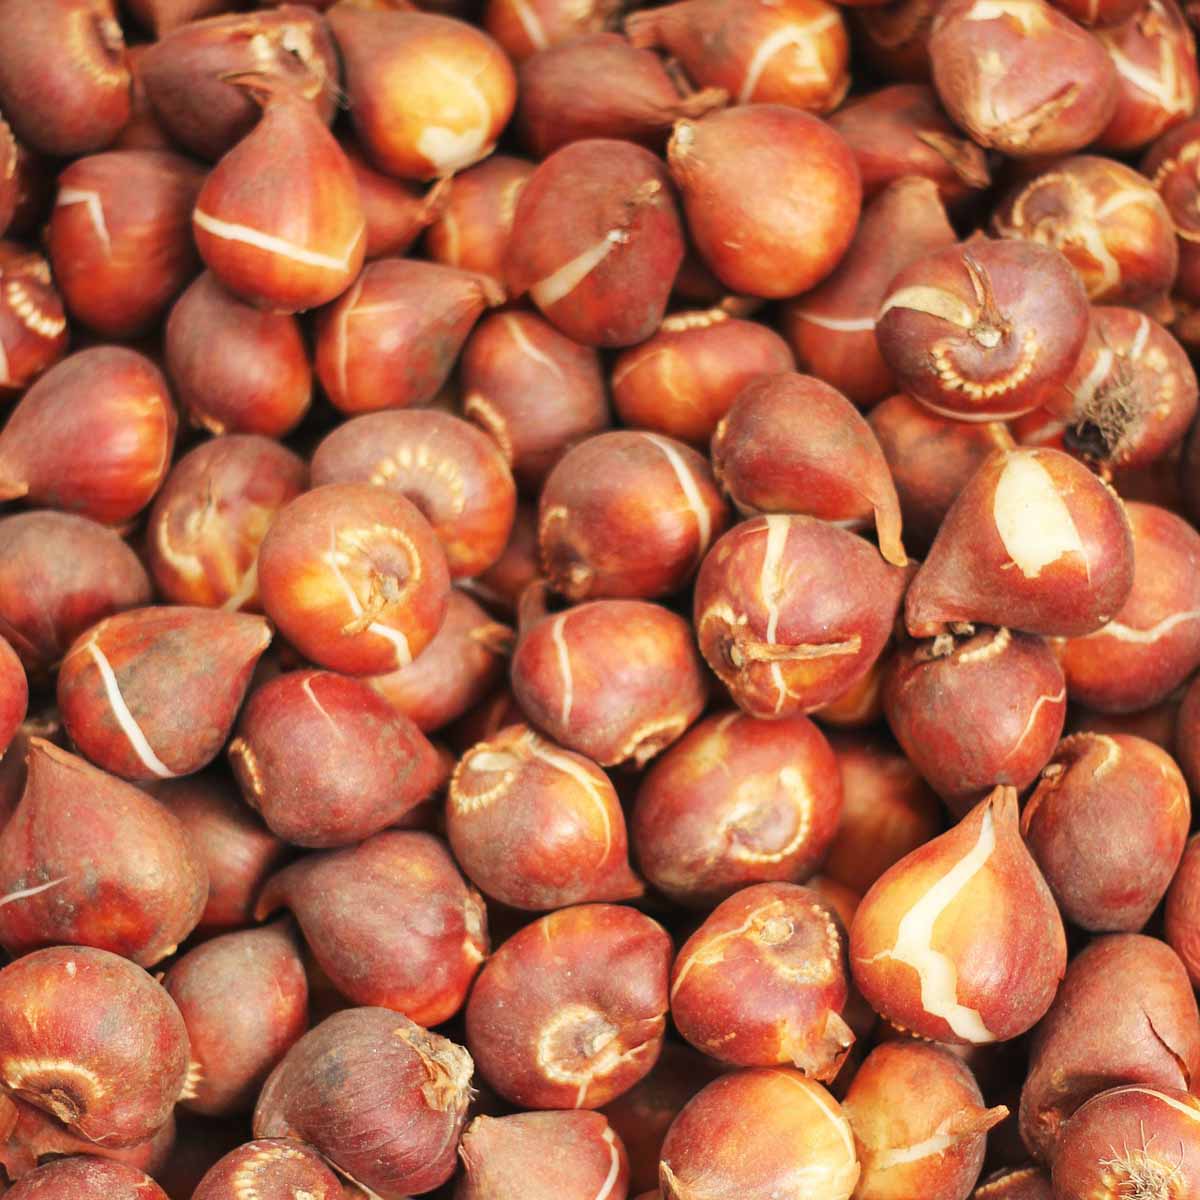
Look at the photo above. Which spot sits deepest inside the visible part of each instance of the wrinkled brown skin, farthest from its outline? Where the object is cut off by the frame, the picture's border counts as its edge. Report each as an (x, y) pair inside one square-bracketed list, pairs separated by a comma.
[(601, 86), (532, 390), (627, 514), (383, 550), (782, 648), (86, 1178), (1156, 44), (900, 131), (93, 435), (33, 327), (613, 198), (211, 515), (1069, 580), (452, 471), (905, 1096), (902, 224), (397, 212), (473, 230), (393, 337), (887, 811), (685, 378), (391, 57), (976, 712), (1000, 930), (737, 801), (461, 667), (570, 1012), (173, 673), (616, 680), (237, 849), (1085, 202), (718, 43), (750, 1134), (787, 233), (1100, 795), (764, 981), (391, 922), (1048, 87), (931, 458), (537, 827), (125, 875), (261, 382), (1131, 1140), (1149, 1034), (14, 695), (287, 179), (793, 444), (641, 1116), (381, 1098), (326, 761), (119, 282), (1171, 164), (61, 103), (244, 1000), (1182, 924), (270, 1169), (984, 330), (187, 73), (111, 1045), (542, 1156), (1015, 1183)]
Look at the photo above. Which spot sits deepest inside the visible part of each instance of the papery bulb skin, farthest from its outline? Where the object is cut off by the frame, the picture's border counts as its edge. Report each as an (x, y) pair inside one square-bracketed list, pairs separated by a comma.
[(831, 329), (153, 693), (919, 1121), (367, 1073), (59, 575), (261, 382), (532, 390), (120, 239), (597, 241), (548, 1037), (91, 860), (984, 330), (33, 326), (794, 53), (92, 1039), (64, 84), (326, 761), (190, 73), (787, 234), (86, 1178), (977, 711), (93, 435), (1171, 166), (1034, 542), (392, 339), (1017, 1183), (537, 827), (525, 26), (792, 444), (354, 577), (782, 647), (766, 1133), (244, 1000), (397, 211), (279, 221), (270, 1169), (764, 981), (429, 95), (1150, 1034), (961, 941), (14, 695), (391, 922), (736, 801), (210, 518)]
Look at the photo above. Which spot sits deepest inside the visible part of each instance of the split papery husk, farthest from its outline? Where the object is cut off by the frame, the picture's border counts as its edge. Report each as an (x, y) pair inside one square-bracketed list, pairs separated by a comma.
[(270, 1169)]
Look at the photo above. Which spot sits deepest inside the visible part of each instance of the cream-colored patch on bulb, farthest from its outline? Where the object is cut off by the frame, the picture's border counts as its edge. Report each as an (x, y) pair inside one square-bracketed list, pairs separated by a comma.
[(448, 150), (933, 302), (561, 283), (231, 231), (770, 583), (806, 66), (1030, 15), (518, 335), (26, 893), (689, 488), (95, 211), (936, 1143), (542, 750), (838, 324), (1031, 517), (563, 656), (614, 1165)]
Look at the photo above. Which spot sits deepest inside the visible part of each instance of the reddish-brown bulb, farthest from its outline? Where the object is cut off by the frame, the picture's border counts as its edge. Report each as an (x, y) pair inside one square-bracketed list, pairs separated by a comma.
[(33, 328), (396, 211), (14, 695), (525, 26), (86, 1178), (1173, 166), (270, 1169)]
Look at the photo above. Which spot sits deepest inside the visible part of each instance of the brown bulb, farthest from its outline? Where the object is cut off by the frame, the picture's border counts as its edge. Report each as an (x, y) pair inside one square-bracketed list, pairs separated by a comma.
[(9, 182), (270, 1169), (261, 382), (14, 695), (92, 860), (94, 436), (960, 941), (161, 16), (525, 26), (279, 221), (86, 1178), (397, 211), (33, 328)]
